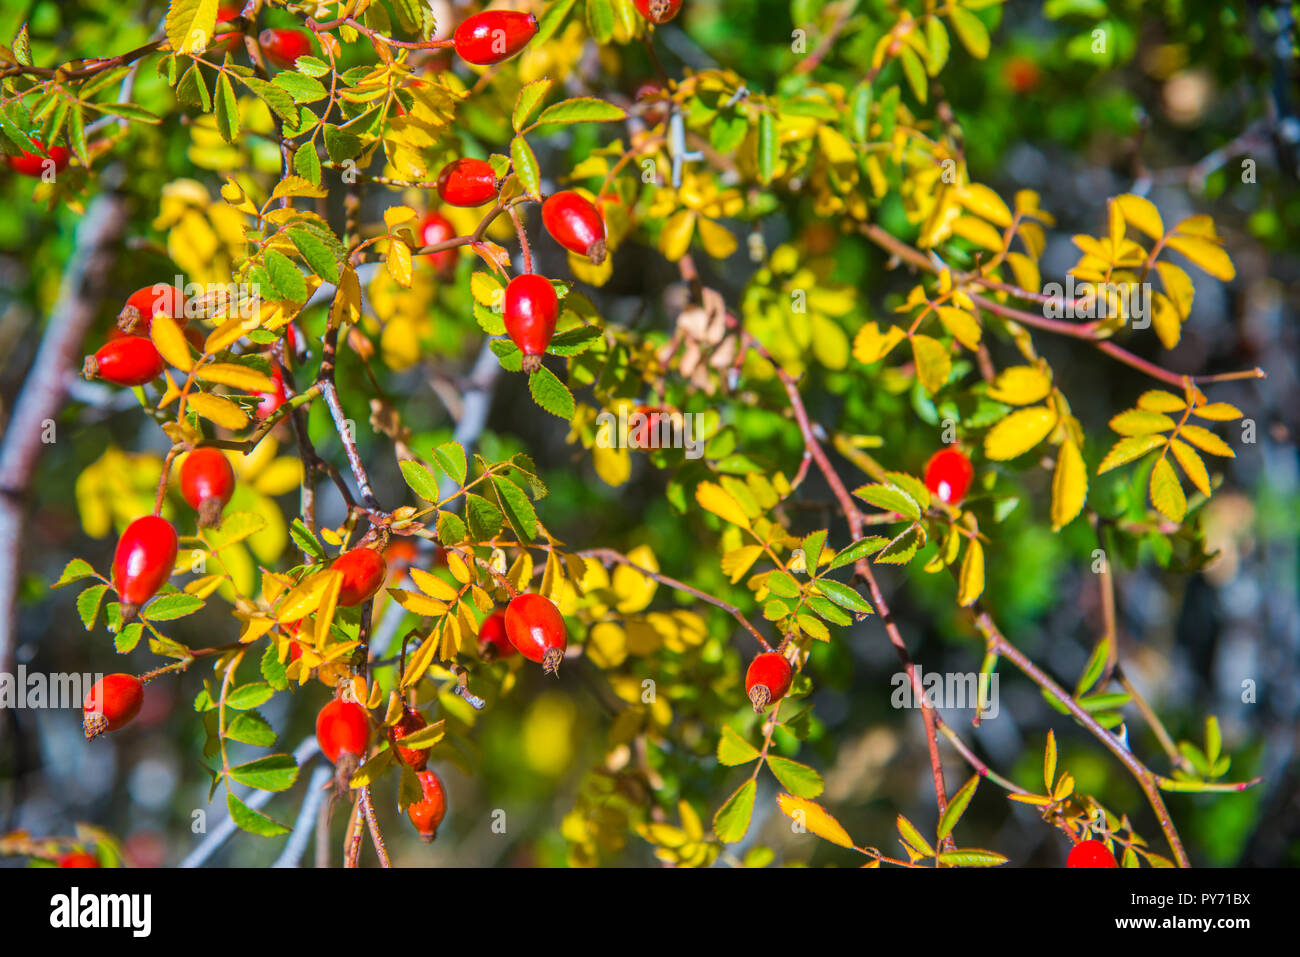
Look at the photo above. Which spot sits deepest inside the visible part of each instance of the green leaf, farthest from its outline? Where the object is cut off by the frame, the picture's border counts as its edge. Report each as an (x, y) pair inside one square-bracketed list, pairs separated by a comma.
[(600, 20), (903, 548), (799, 779), (1092, 671), (518, 509), (971, 31), (315, 254), (843, 595), (574, 341), (249, 727), (249, 696), (340, 145), (552, 19), (192, 90), (551, 394), (957, 805), (302, 88), (227, 109), (306, 163), (307, 543), (581, 109), (860, 112), (280, 102), (168, 607), (767, 147), (732, 820), (890, 499), (272, 670), (126, 639), (286, 278), (912, 837), (312, 66), (528, 100), (450, 457), (75, 570), (485, 519), (88, 604), (971, 857), (525, 164), (781, 584), (812, 546), (275, 772), (451, 530), (828, 610), (420, 480), (859, 549), (733, 750), (254, 822)]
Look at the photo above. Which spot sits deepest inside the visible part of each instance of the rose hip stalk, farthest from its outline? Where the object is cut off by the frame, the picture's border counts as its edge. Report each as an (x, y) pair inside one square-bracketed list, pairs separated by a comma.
[(536, 629), (531, 308), (143, 561)]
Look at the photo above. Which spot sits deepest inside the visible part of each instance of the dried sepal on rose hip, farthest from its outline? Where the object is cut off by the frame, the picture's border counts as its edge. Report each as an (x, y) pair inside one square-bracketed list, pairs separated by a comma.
[(530, 310), (658, 12), (142, 562), (537, 630), (207, 483), (768, 679), (144, 304), (110, 704)]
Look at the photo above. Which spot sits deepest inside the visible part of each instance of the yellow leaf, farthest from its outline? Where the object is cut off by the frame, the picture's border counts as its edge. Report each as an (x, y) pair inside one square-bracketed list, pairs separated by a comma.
[(720, 502), (971, 578), (305, 597), (1166, 493), (962, 325), (1126, 450), (398, 261), (1018, 433), (717, 240), (1020, 385), (329, 604), (933, 362), (218, 409), (1217, 412), (1193, 465), (1206, 441), (1140, 422), (171, 342), (606, 645), (982, 201), (1178, 287), (738, 561), (1205, 254), (1158, 400), (815, 818), (396, 215), (1165, 320), (634, 590), (418, 604), (296, 186), (225, 335), (871, 345), (675, 236), (432, 585), (1141, 213), (190, 24), (418, 662), (1026, 271), (236, 376), (978, 232), (613, 465), (1069, 485)]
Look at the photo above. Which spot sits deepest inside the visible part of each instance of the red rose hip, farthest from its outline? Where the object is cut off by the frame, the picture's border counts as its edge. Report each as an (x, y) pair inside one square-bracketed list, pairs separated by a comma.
[(143, 561), (531, 308), (575, 224), (768, 679), (1090, 854), (127, 360), (536, 628), (492, 640), (342, 727), (363, 572), (207, 482), (272, 400), (427, 813), (78, 859), (467, 182), (159, 299), (111, 704), (437, 228), (35, 164), (658, 11), (948, 475), (226, 42), (283, 47), (410, 722), (493, 35)]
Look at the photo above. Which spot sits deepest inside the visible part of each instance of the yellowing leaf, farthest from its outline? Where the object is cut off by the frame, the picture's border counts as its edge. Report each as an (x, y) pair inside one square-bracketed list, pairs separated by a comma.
[(1126, 450), (1206, 441), (633, 589), (1165, 320), (1025, 270), (218, 409), (1157, 400), (719, 501), (738, 561), (1069, 485), (171, 342), (1020, 385), (306, 596), (961, 324), (1018, 433), (982, 201), (1193, 465), (1217, 412), (418, 604), (1166, 493), (1140, 422), (871, 345), (978, 232), (190, 24), (933, 362), (970, 582), (432, 585), (1141, 213), (236, 376), (399, 262), (675, 236), (815, 818), (1205, 254)]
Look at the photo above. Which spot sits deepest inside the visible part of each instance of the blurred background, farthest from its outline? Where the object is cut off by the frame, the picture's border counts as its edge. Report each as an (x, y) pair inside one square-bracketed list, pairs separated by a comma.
[(1193, 104)]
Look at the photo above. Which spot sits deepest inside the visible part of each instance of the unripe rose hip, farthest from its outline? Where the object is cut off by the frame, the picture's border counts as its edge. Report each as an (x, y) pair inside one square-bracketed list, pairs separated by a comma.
[(537, 630), (159, 299), (143, 561), (492, 640), (437, 228), (427, 813), (658, 11), (363, 573), (111, 704), (34, 164), (342, 727), (493, 35), (283, 47), (127, 360), (575, 224), (467, 182), (410, 722), (530, 309), (1090, 854), (948, 475), (768, 679)]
